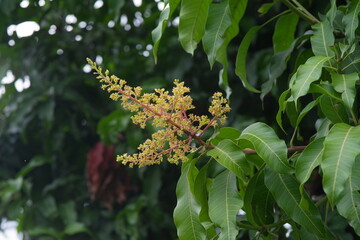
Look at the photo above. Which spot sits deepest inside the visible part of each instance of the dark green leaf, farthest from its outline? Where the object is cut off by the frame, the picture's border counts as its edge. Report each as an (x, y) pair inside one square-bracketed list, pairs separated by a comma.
[(231, 156), (219, 20), (345, 84), (333, 110), (284, 32), (342, 145), (193, 17), (224, 203), (268, 146), (186, 212), (351, 20), (322, 39)]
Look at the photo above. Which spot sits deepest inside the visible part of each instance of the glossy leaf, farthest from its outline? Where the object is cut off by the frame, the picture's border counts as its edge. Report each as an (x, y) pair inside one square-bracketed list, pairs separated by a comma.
[(225, 133), (345, 84), (216, 26), (309, 159), (231, 156), (268, 146), (284, 32), (326, 89), (351, 20), (282, 106), (306, 109), (186, 212), (163, 20), (201, 196), (322, 39), (349, 204), (193, 17), (258, 201), (285, 190), (333, 110), (342, 145), (237, 9), (224, 204), (305, 75)]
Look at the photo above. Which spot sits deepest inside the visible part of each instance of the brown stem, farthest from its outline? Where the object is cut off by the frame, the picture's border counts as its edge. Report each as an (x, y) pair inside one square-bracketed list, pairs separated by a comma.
[(290, 149)]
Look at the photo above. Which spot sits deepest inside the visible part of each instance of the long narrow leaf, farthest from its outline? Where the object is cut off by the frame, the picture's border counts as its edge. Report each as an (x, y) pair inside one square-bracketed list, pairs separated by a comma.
[(268, 146), (186, 213), (231, 156), (348, 205), (333, 110), (193, 17), (323, 38), (342, 145), (351, 20), (307, 73), (284, 32), (219, 20), (224, 203), (163, 20), (285, 190), (345, 84), (309, 159)]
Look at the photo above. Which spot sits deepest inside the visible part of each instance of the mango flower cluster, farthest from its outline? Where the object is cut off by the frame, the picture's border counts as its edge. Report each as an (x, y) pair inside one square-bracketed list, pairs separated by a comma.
[(168, 112)]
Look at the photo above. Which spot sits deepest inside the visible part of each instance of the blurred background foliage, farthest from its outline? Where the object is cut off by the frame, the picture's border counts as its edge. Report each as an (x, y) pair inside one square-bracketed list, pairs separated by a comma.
[(59, 131)]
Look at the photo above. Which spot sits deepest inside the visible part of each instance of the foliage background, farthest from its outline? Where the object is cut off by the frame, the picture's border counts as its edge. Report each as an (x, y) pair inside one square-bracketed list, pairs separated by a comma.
[(48, 130)]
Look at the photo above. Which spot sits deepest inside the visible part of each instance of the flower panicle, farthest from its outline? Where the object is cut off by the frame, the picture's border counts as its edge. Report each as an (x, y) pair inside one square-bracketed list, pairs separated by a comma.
[(167, 111)]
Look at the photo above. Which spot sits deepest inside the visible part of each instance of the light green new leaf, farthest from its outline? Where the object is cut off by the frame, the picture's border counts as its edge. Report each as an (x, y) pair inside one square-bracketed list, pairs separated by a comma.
[(342, 145), (322, 39), (258, 201), (349, 204), (307, 73), (351, 20), (309, 159), (345, 84), (333, 110), (268, 146), (231, 156), (186, 212), (285, 190), (193, 17), (224, 203), (219, 20), (284, 32)]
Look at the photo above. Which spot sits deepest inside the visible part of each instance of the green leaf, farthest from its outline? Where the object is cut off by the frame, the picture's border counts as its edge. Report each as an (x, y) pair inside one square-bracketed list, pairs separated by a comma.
[(157, 33), (75, 228), (324, 88), (115, 8), (231, 156), (193, 17), (35, 162), (345, 84), (201, 196), (219, 20), (351, 20), (307, 109), (109, 126), (237, 9), (224, 203), (268, 146), (186, 212), (240, 65), (282, 106), (285, 190), (284, 32), (331, 14), (349, 204), (48, 207), (278, 64), (225, 133), (309, 159), (258, 201), (265, 7), (333, 110), (342, 145), (307, 73), (322, 39)]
